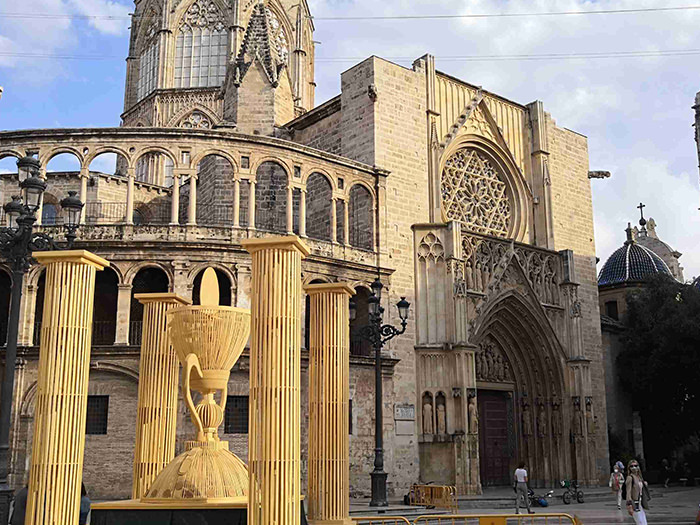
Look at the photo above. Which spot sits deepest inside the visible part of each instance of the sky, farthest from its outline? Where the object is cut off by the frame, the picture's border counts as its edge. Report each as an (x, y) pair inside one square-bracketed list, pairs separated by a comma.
[(635, 111)]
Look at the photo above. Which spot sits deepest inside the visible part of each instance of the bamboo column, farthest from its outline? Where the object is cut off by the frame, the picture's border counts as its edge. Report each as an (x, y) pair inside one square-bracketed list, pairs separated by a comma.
[(156, 418), (329, 395), (61, 400), (274, 445)]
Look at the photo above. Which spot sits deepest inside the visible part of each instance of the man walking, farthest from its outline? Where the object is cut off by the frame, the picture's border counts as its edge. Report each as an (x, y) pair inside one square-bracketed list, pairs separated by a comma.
[(520, 486)]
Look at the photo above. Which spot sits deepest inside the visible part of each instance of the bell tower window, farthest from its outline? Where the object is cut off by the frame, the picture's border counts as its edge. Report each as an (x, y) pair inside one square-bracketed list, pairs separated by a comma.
[(148, 68), (201, 49)]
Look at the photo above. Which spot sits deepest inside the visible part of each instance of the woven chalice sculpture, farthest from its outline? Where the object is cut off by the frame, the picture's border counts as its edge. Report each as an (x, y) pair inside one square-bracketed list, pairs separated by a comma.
[(208, 340)]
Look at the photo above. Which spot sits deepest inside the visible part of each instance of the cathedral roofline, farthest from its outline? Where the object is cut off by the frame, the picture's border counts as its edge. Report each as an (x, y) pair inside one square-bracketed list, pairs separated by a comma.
[(484, 91), (8, 137), (317, 114)]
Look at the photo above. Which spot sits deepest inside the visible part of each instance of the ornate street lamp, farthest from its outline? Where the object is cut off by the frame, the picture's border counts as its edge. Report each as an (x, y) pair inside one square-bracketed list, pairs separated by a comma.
[(17, 242), (378, 334)]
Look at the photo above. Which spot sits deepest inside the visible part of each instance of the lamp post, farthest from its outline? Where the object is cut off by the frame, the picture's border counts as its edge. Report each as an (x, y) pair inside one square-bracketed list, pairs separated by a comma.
[(378, 334), (17, 242)]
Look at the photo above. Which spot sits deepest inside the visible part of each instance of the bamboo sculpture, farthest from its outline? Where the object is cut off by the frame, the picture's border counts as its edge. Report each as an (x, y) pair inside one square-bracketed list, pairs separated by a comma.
[(208, 340), (157, 399), (329, 395), (275, 376), (61, 400)]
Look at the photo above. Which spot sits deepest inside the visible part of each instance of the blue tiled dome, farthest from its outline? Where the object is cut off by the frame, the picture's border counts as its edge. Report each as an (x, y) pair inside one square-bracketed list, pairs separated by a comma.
[(631, 263)]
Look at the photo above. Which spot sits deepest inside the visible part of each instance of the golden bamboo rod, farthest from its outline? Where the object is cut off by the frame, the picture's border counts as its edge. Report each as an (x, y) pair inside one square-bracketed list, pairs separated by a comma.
[(329, 398), (156, 418), (274, 455), (61, 401)]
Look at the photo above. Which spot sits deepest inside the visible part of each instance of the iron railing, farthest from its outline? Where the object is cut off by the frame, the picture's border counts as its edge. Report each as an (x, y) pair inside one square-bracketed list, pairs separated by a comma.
[(380, 520), (496, 519), (103, 332), (135, 332)]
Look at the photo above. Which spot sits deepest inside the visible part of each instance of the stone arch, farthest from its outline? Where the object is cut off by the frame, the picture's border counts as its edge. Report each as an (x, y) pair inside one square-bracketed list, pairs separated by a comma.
[(134, 269), (116, 158), (11, 153), (150, 278), (319, 171), (101, 150), (520, 194), (515, 324), (62, 150), (104, 316), (359, 346), (361, 210), (271, 184), (215, 189), (155, 165), (319, 199)]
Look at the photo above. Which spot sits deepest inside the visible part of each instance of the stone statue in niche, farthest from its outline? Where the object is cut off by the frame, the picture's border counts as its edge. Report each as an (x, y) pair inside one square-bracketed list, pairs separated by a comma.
[(470, 276), (477, 277), (486, 278), (500, 368), (578, 423), (541, 419), (590, 422), (473, 416), (556, 417), (491, 364), (441, 420), (427, 418), (527, 419)]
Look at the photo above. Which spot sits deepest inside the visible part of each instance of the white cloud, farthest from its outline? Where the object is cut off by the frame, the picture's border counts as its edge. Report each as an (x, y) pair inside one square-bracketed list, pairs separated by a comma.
[(103, 8)]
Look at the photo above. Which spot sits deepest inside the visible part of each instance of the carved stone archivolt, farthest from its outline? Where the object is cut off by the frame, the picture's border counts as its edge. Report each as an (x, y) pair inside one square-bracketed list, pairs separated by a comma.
[(475, 194), (491, 364)]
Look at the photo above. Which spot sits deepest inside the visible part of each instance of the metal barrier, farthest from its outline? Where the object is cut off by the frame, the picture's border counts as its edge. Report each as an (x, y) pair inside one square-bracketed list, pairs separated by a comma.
[(380, 520), (497, 519), (440, 496)]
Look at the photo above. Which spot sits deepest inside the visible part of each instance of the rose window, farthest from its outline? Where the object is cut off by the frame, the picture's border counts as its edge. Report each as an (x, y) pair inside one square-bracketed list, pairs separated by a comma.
[(474, 193)]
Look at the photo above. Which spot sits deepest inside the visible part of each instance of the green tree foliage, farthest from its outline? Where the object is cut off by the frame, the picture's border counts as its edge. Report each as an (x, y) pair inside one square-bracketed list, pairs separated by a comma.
[(660, 361)]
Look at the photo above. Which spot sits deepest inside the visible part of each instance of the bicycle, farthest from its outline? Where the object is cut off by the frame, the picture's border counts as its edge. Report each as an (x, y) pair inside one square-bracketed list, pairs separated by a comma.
[(571, 491)]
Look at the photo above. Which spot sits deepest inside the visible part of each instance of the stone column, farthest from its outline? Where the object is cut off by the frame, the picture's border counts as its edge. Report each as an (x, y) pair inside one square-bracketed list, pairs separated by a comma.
[(129, 219), (192, 203), (334, 220), (157, 400), (84, 176), (243, 286), (346, 223), (329, 395), (175, 201), (61, 400), (236, 203), (123, 314), (290, 209), (274, 447), (302, 214), (251, 205), (40, 211)]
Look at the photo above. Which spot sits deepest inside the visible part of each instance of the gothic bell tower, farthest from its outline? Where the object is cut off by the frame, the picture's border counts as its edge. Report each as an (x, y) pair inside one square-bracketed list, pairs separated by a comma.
[(243, 64)]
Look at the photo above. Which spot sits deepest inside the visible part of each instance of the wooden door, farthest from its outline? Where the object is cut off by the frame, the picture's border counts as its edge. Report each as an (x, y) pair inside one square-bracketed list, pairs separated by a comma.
[(496, 437)]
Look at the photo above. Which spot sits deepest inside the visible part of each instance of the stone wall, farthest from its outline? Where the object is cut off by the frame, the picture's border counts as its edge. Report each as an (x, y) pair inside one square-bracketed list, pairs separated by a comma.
[(572, 212)]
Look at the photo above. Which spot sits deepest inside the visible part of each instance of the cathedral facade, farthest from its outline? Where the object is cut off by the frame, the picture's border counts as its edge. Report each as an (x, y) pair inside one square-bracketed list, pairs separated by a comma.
[(475, 208)]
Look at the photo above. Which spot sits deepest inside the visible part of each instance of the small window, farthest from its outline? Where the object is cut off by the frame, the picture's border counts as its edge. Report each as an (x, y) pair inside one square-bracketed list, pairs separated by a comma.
[(245, 162), (97, 411), (341, 183), (236, 417), (611, 309), (297, 172)]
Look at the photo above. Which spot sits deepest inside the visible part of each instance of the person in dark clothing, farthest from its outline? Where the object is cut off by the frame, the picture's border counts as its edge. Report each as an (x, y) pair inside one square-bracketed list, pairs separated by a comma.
[(84, 506), (19, 506)]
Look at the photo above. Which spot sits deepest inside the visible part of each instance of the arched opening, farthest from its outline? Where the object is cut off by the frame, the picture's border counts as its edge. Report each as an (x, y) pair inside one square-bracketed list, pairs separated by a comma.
[(8, 164), (224, 288), (104, 315), (360, 212), (64, 163), (5, 295), (110, 211), (271, 198), (520, 372), (215, 189), (307, 315), (147, 280), (319, 195), (39, 307), (359, 346), (154, 168)]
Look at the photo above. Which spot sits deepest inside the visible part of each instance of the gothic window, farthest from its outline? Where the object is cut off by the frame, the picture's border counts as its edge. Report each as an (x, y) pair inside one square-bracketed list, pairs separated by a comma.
[(474, 193), (279, 38), (148, 64), (196, 120), (201, 49)]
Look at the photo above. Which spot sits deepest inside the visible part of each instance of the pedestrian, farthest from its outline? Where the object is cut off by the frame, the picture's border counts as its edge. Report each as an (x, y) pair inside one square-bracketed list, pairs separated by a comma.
[(520, 487), (615, 484), (637, 493), (665, 467), (84, 506), (19, 506)]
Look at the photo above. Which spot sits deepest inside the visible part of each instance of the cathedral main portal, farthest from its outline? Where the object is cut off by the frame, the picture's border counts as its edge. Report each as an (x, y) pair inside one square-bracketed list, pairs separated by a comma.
[(497, 437)]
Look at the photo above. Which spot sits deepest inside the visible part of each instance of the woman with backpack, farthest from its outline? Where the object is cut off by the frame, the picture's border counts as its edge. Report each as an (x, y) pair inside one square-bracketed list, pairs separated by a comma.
[(617, 478)]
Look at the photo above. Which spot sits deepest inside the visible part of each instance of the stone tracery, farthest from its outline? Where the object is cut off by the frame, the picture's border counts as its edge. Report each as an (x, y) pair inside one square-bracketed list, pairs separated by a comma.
[(474, 193)]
